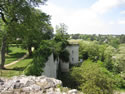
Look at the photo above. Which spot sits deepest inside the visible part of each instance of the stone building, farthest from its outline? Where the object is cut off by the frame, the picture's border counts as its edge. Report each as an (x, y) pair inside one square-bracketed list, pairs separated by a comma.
[(51, 66), (73, 50)]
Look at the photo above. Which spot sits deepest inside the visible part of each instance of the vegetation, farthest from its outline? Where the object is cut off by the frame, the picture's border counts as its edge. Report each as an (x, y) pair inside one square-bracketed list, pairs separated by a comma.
[(46, 48), (16, 69), (103, 66), (101, 63), (15, 52), (93, 78), (14, 22)]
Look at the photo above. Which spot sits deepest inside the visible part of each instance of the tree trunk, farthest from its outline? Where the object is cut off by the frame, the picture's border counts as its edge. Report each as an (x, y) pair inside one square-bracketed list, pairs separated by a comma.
[(3, 47), (30, 51), (7, 49)]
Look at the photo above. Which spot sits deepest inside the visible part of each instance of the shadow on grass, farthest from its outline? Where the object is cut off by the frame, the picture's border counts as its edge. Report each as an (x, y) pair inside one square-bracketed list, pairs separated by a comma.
[(9, 51), (17, 55), (18, 68), (15, 68)]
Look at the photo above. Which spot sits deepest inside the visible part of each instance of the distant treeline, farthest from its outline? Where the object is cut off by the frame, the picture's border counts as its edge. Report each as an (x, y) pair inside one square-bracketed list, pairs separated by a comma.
[(113, 40)]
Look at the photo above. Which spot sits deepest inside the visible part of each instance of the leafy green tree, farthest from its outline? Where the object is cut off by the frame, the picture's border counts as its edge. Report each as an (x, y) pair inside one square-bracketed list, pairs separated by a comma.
[(37, 29), (61, 32), (122, 38), (108, 54), (89, 50), (119, 59), (39, 58), (93, 78), (13, 13)]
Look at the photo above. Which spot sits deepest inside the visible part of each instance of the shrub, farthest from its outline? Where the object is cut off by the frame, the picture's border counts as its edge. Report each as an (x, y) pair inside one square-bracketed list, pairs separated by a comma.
[(40, 57), (93, 78)]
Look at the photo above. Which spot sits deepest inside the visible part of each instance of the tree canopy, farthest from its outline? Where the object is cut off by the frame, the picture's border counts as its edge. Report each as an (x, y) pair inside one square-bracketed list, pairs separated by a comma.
[(14, 16)]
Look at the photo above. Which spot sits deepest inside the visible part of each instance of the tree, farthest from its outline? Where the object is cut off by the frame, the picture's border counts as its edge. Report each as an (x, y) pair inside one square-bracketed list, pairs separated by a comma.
[(122, 39), (108, 54), (61, 32), (13, 13), (89, 50), (37, 29), (93, 78), (119, 59)]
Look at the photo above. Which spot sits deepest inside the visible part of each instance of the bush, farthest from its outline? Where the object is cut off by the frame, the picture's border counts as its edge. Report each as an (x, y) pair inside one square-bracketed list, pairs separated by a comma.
[(40, 57), (119, 81), (93, 78)]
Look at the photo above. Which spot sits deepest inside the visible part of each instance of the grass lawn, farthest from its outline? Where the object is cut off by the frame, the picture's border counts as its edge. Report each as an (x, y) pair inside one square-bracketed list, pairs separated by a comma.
[(16, 69), (14, 53)]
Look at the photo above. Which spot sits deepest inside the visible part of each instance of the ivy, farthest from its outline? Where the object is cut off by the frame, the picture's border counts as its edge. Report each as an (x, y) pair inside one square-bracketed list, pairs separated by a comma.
[(40, 56)]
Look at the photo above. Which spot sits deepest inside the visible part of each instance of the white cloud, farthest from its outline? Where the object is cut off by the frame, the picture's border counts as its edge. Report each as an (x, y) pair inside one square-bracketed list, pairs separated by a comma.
[(85, 20), (111, 22), (103, 6), (121, 22), (122, 12)]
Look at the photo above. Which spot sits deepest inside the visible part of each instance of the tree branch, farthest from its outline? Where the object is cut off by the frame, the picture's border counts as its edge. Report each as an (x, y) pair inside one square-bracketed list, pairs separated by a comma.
[(3, 18)]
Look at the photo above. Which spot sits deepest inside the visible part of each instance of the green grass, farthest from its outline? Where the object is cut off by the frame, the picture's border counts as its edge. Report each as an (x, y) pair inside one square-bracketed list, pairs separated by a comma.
[(14, 54), (121, 89), (16, 69)]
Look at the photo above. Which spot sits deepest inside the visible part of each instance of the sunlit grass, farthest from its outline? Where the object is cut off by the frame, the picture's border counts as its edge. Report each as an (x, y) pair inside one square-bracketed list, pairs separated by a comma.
[(16, 69), (14, 53)]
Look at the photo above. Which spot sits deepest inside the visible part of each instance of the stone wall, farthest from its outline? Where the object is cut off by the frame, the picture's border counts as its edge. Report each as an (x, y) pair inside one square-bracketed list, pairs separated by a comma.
[(64, 66), (51, 67), (74, 53)]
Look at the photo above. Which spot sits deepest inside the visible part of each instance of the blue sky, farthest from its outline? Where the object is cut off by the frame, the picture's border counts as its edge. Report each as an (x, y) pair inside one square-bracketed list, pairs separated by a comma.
[(88, 16)]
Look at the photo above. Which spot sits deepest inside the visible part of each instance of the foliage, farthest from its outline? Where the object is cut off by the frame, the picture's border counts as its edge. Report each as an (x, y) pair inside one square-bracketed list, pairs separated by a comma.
[(43, 52), (113, 40), (108, 54), (119, 59), (40, 57), (93, 78), (61, 33), (37, 28), (89, 50), (119, 81), (64, 55), (16, 69), (14, 15), (95, 51)]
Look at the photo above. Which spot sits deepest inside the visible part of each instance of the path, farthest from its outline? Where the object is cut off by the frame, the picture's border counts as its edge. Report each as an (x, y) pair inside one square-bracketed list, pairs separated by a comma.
[(14, 62), (120, 93)]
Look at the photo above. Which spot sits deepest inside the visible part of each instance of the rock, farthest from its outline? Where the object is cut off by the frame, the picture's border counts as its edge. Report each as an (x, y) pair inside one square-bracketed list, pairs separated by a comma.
[(73, 91), (32, 85)]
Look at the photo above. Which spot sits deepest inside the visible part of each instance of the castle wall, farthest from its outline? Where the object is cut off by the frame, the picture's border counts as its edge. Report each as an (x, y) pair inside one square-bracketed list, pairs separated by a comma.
[(74, 53), (64, 66), (51, 66)]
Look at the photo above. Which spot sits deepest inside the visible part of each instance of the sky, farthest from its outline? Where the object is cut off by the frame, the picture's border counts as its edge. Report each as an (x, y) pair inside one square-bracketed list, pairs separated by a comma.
[(87, 16)]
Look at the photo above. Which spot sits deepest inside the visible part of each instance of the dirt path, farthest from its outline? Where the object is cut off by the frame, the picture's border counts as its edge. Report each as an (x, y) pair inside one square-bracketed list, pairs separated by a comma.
[(119, 92), (14, 62)]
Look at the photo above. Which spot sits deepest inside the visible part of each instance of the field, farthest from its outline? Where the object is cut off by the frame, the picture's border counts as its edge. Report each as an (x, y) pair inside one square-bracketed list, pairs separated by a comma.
[(15, 52)]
